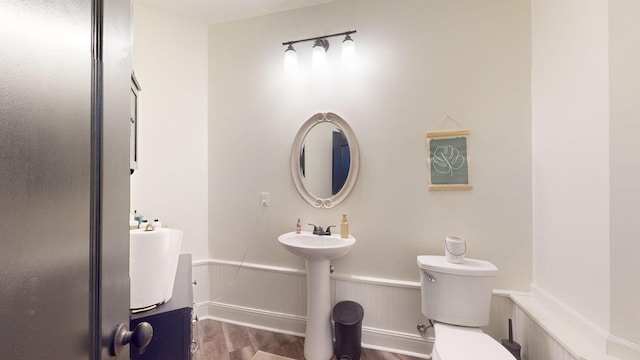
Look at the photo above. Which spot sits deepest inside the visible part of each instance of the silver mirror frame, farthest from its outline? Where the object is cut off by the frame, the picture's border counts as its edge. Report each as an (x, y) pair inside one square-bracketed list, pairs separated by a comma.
[(296, 150)]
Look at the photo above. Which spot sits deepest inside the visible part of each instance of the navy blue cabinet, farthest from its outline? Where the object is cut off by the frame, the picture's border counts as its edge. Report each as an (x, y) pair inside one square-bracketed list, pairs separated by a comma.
[(171, 321)]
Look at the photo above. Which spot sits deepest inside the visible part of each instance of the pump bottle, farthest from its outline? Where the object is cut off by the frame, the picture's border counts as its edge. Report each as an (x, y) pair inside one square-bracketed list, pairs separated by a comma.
[(344, 227)]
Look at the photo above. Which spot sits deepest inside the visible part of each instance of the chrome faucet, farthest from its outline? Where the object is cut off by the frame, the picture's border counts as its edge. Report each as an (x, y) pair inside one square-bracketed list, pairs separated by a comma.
[(317, 230)]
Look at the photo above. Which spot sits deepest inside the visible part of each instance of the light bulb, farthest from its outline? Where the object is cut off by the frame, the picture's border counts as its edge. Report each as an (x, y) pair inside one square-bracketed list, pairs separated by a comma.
[(290, 60), (319, 54), (348, 51)]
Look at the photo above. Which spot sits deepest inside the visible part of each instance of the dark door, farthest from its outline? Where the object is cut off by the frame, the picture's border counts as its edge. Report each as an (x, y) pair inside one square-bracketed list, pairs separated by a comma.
[(113, 277), (341, 162), (64, 183)]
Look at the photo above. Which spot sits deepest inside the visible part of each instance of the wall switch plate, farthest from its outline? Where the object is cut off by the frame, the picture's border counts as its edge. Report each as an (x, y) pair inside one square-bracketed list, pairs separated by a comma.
[(264, 199)]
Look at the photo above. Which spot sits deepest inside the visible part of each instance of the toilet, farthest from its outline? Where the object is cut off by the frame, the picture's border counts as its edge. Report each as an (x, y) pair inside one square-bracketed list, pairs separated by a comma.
[(457, 298)]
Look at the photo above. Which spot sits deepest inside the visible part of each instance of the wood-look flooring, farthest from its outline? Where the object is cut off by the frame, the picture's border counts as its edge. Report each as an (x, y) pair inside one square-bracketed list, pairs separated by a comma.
[(223, 341)]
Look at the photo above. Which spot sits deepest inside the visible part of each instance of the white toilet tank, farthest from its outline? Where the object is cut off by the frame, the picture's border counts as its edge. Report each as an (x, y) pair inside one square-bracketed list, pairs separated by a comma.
[(457, 294)]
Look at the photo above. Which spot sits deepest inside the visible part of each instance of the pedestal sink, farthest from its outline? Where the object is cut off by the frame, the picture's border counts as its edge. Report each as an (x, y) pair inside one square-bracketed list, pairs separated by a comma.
[(317, 252)]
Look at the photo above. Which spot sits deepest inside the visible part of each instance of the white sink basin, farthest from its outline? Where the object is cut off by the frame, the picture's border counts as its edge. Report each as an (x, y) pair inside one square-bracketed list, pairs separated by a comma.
[(311, 246), (153, 261)]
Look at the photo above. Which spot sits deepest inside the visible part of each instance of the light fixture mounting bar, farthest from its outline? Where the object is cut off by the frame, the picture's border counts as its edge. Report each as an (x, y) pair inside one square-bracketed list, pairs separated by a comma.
[(318, 37)]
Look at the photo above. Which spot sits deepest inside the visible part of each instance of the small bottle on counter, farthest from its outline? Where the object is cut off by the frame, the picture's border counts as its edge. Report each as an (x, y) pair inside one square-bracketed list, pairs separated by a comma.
[(298, 227), (344, 227), (157, 224)]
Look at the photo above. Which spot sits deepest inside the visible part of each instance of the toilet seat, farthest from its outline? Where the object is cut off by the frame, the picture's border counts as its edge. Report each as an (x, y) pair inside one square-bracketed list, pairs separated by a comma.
[(463, 343)]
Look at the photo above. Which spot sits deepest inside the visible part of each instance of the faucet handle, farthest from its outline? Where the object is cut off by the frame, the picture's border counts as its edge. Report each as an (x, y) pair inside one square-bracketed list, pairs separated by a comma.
[(328, 232), (315, 229)]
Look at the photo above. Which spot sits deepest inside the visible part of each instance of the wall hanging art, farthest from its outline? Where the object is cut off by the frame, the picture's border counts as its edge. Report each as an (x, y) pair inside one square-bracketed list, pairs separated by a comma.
[(448, 158)]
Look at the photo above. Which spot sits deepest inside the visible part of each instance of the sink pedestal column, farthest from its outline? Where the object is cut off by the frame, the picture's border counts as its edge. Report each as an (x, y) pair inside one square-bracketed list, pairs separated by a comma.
[(318, 341)]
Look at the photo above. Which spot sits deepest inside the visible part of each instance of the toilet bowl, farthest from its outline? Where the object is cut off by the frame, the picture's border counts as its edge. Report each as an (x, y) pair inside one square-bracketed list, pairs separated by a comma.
[(457, 298), (464, 343)]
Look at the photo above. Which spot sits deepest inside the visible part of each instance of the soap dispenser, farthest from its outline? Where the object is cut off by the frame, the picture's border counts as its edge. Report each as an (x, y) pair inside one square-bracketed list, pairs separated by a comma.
[(344, 227)]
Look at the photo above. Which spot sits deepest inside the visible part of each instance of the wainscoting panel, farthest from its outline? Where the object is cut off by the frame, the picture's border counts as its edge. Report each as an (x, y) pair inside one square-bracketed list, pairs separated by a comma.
[(274, 298), (501, 311), (387, 305), (200, 273), (253, 286), (536, 343)]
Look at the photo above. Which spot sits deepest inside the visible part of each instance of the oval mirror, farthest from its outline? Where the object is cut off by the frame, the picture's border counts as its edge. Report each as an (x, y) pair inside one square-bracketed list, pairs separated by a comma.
[(325, 160)]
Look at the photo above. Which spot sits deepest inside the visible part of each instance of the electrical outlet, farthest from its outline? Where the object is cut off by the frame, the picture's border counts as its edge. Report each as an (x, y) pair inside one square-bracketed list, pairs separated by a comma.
[(264, 199)]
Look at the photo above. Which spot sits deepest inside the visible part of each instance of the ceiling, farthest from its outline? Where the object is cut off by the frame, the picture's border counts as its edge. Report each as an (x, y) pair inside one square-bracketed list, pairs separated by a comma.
[(218, 11)]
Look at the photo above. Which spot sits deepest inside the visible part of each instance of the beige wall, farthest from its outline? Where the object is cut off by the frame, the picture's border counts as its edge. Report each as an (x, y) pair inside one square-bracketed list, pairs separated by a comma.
[(170, 61), (586, 54), (624, 55), (570, 102), (418, 62)]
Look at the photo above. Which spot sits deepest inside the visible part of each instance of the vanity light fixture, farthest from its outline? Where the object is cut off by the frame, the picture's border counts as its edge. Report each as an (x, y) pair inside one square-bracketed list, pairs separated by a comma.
[(290, 60), (348, 51), (319, 51), (319, 54)]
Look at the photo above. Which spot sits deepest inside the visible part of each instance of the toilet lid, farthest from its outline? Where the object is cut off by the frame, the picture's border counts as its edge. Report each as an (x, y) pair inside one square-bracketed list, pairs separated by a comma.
[(460, 343)]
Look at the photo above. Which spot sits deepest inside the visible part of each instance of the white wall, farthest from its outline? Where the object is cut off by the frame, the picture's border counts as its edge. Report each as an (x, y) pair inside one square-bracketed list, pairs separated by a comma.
[(418, 63), (624, 55), (170, 61), (570, 114), (584, 90)]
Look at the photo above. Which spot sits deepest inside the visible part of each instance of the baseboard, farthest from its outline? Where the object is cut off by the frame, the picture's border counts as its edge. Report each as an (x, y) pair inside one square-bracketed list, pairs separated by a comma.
[(379, 339), (396, 342), (255, 318)]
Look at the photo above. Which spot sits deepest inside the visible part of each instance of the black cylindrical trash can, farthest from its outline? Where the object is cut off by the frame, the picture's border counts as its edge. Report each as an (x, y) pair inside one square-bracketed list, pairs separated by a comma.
[(348, 329)]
